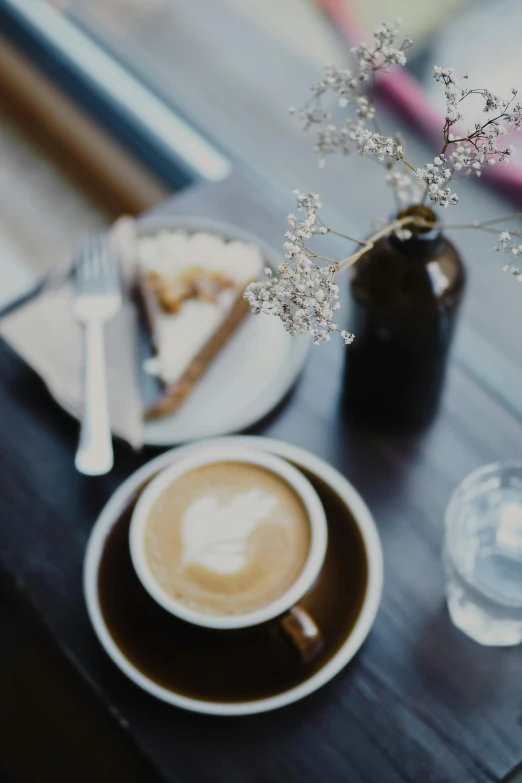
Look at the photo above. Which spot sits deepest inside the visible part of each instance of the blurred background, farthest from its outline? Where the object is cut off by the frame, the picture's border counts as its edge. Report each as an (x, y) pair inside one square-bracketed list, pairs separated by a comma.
[(74, 155), (109, 106)]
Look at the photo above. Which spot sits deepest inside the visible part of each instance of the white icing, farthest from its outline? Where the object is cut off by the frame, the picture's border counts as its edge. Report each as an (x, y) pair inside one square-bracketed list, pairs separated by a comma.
[(181, 336), (170, 252), (216, 536), (178, 337)]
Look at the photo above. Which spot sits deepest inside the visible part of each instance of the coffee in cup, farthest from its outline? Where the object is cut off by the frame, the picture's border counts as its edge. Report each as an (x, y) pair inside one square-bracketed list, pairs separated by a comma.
[(229, 539)]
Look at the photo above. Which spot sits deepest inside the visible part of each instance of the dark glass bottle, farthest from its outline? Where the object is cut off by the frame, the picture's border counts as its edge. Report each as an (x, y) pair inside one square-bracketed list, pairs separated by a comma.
[(405, 300)]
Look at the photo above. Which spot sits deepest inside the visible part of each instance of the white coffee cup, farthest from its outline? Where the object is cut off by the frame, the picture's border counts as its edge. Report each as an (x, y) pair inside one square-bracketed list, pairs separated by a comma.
[(301, 624)]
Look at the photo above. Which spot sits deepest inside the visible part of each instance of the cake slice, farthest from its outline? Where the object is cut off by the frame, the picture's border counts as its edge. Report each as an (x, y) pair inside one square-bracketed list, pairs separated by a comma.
[(192, 289)]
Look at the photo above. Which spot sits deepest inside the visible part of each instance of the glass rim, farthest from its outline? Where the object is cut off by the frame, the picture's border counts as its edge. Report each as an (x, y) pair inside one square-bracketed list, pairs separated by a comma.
[(474, 477)]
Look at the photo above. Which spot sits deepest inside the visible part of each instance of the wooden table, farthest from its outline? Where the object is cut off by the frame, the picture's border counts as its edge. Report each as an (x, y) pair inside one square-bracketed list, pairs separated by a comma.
[(420, 702)]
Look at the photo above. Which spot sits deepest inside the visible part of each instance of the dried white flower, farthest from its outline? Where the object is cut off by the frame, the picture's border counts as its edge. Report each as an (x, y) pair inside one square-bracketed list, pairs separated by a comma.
[(349, 87), (509, 245), (453, 92), (353, 89), (348, 337), (408, 190), (436, 176), (513, 270), (480, 146), (371, 143), (303, 294), (382, 53)]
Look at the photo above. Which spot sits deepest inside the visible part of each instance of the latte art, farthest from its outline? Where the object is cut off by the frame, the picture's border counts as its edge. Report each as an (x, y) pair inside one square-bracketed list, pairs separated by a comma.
[(227, 538), (216, 536)]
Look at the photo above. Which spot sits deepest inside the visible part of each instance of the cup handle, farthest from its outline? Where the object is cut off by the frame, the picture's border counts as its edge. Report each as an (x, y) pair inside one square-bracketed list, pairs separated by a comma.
[(302, 631)]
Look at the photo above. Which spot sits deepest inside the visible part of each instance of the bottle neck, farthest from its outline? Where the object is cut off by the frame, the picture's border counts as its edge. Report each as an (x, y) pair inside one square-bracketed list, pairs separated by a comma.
[(423, 242)]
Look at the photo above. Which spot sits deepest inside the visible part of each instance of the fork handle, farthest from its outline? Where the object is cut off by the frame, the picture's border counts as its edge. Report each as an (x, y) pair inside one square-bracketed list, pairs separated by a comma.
[(94, 455)]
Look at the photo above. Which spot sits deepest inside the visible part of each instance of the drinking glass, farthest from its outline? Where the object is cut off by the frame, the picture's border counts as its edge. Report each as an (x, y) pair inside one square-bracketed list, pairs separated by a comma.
[(483, 554)]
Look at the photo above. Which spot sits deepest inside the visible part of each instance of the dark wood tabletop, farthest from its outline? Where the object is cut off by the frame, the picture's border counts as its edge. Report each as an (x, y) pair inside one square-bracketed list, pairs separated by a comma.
[(420, 702)]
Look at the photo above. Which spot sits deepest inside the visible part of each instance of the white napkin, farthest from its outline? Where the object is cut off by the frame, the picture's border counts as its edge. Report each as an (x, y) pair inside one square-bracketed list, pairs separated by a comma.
[(47, 336)]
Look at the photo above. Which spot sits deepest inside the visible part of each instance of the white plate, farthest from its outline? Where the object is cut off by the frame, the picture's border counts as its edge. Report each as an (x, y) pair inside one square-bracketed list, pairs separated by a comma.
[(364, 622), (249, 376)]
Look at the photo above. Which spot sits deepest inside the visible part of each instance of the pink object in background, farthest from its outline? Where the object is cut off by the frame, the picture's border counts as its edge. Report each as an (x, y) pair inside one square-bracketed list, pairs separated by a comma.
[(403, 95)]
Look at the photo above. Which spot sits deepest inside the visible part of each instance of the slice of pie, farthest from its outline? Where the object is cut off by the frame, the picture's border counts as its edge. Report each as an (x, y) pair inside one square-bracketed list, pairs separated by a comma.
[(192, 289)]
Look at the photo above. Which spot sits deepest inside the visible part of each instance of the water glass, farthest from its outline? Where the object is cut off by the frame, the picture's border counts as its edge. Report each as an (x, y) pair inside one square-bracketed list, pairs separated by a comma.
[(483, 554)]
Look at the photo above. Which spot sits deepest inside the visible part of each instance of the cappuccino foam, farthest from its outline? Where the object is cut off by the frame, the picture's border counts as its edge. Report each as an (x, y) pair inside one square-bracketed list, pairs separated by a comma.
[(227, 538)]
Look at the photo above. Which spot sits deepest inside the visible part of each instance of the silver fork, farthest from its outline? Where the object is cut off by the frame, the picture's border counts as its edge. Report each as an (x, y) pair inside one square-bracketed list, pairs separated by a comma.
[(97, 299)]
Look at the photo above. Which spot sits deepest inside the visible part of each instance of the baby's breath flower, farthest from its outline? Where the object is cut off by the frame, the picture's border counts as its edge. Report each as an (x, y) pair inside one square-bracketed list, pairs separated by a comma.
[(408, 190), (436, 176), (365, 109), (348, 337), (479, 147), (303, 294), (371, 143), (382, 53), (453, 92), (349, 88), (509, 245), (513, 270)]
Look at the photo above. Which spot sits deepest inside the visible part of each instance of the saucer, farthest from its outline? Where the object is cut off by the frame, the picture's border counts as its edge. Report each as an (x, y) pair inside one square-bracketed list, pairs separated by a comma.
[(243, 671)]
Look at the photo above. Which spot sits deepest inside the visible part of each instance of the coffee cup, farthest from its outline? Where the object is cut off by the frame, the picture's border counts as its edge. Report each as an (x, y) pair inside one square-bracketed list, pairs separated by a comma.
[(231, 540)]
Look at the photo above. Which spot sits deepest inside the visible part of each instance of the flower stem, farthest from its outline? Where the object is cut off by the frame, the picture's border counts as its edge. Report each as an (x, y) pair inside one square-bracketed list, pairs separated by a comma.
[(323, 258), (346, 236), (406, 163), (370, 243), (490, 222)]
